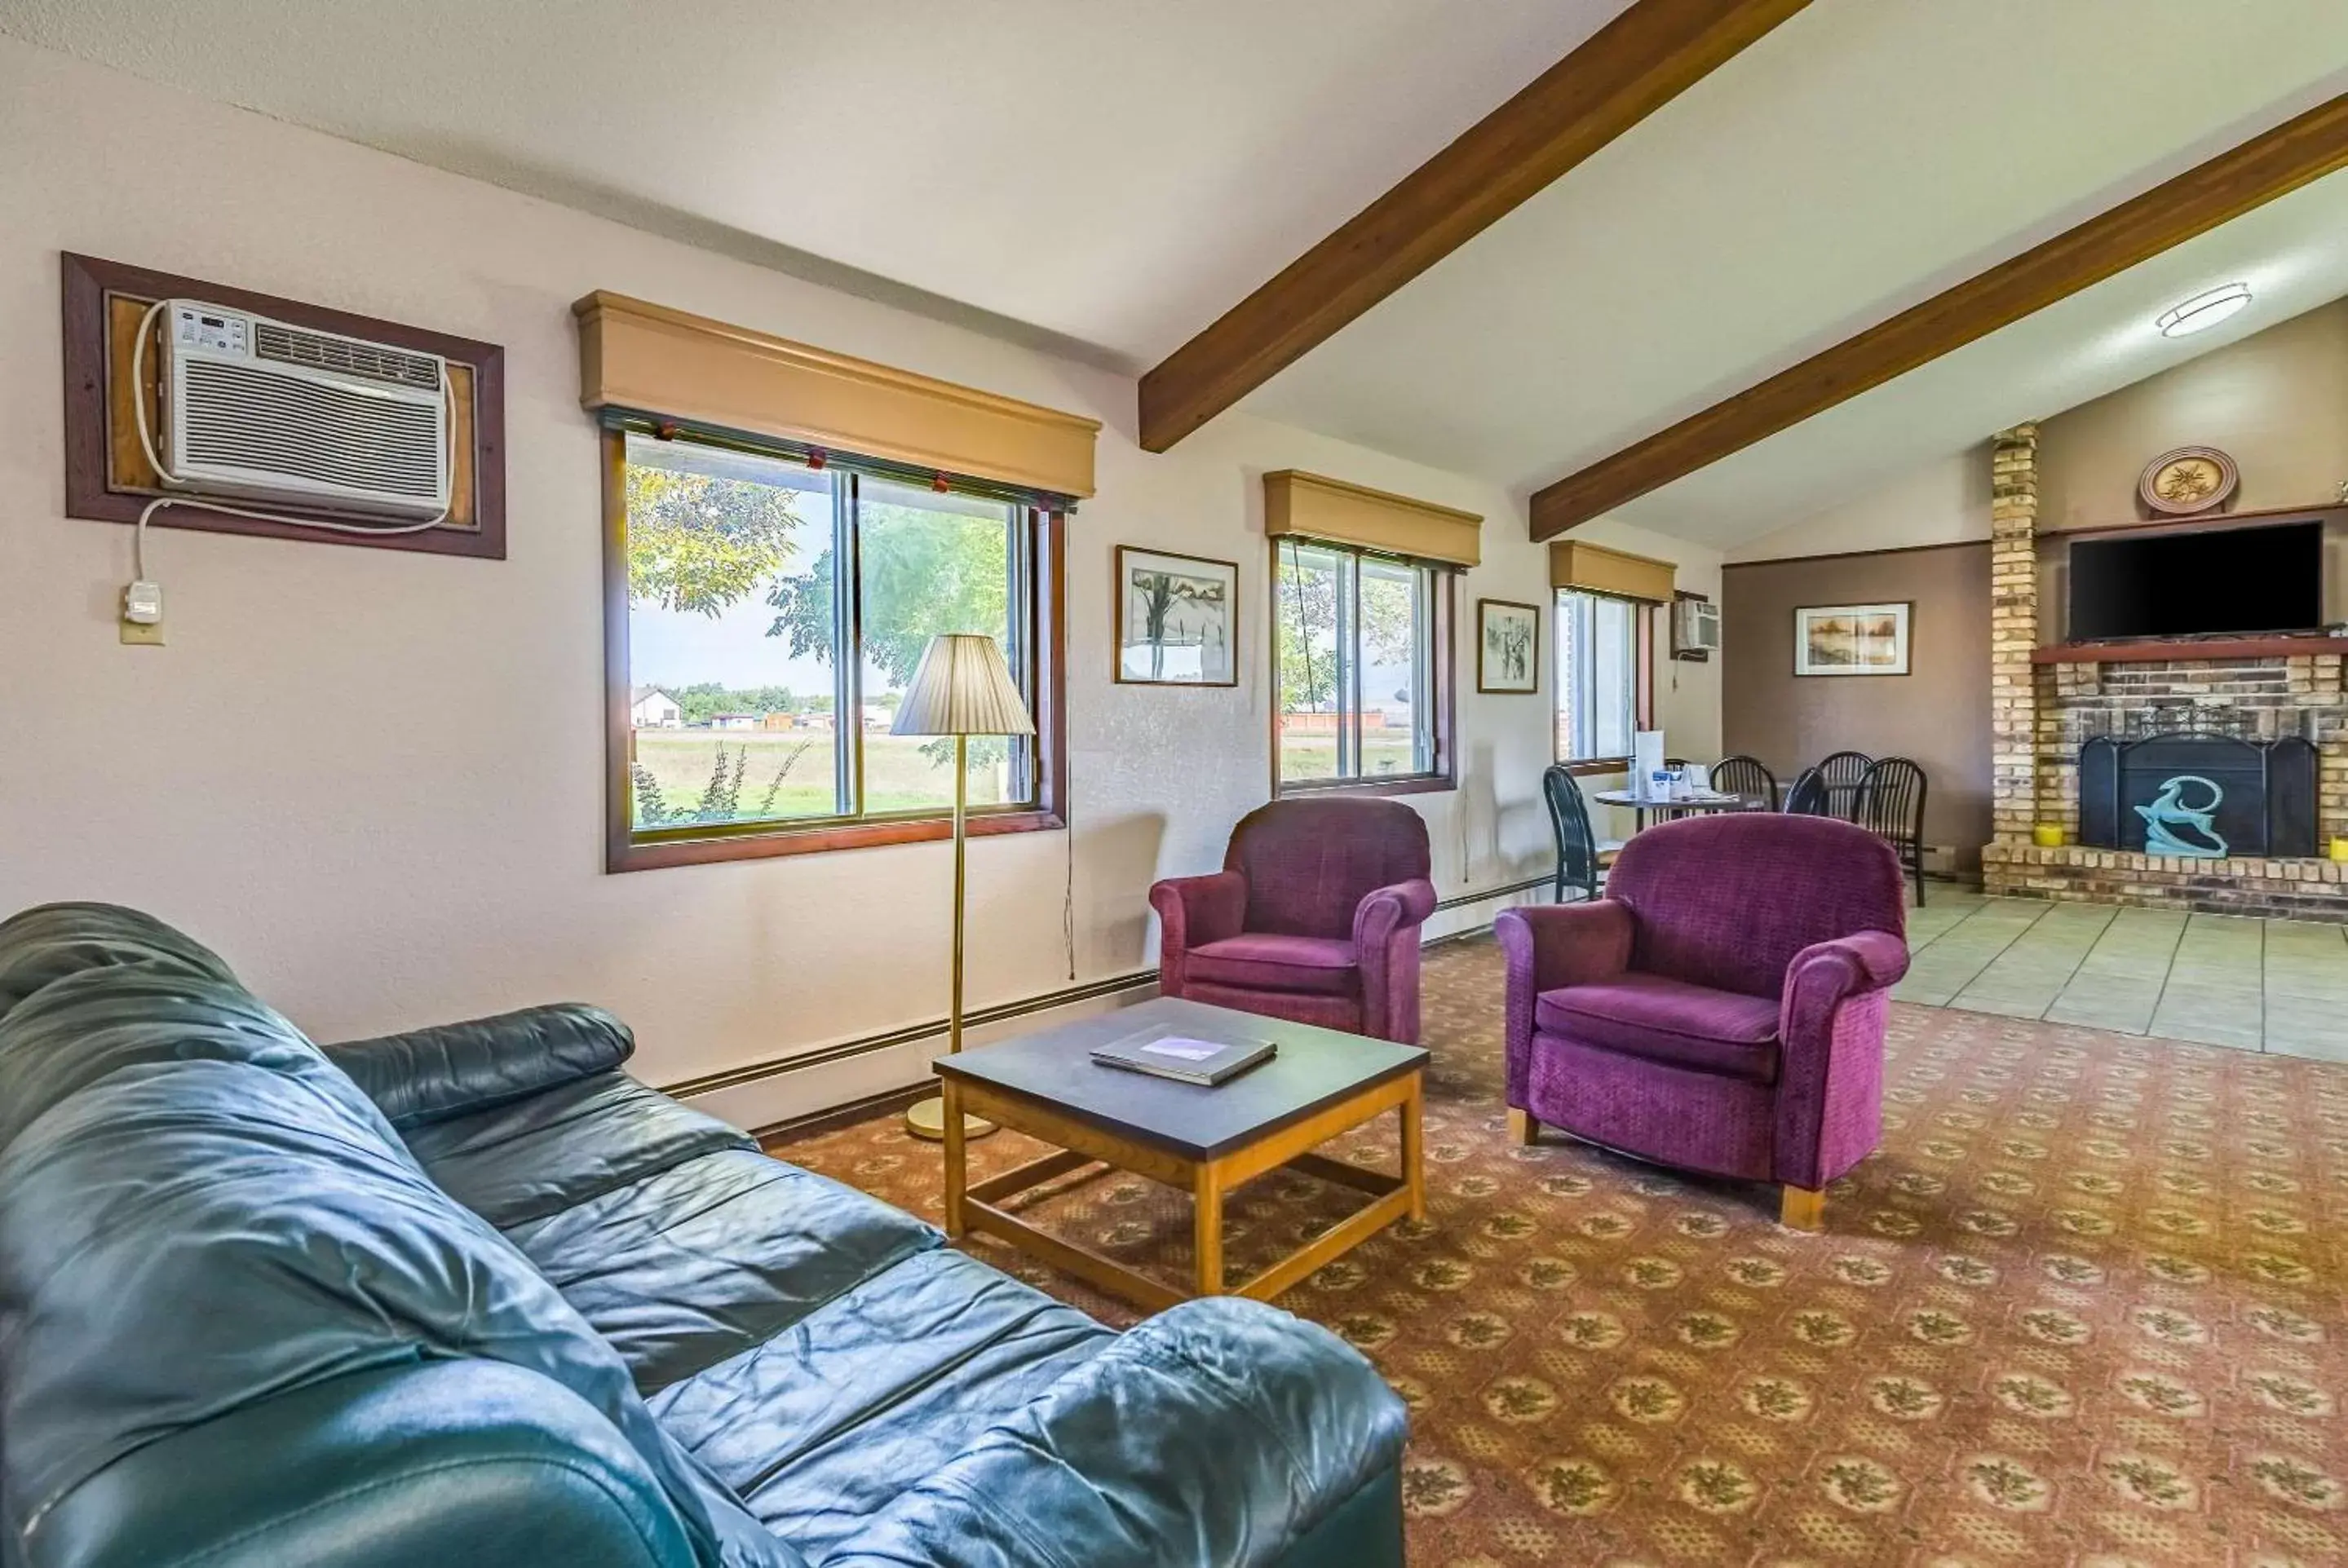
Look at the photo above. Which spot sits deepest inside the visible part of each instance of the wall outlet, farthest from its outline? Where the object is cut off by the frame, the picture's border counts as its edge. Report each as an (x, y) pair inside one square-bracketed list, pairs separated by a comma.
[(135, 635)]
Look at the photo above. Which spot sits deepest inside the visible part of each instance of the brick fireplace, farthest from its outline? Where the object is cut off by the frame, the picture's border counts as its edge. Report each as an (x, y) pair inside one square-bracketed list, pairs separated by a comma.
[(2047, 703)]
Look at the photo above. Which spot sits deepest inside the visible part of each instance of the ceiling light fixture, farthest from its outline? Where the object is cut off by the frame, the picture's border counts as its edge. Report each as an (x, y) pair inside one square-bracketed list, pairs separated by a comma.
[(2203, 310)]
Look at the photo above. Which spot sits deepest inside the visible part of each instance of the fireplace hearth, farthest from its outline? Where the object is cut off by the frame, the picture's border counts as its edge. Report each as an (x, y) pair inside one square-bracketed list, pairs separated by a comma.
[(2199, 795)]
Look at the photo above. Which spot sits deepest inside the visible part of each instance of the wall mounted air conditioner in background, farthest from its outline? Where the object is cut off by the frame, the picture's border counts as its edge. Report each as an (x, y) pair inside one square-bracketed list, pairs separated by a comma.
[(1696, 627), (259, 410)]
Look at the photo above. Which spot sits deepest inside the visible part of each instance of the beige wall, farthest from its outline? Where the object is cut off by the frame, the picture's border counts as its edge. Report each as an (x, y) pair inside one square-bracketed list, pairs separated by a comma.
[(375, 780), (1938, 715), (2276, 401), (1941, 502)]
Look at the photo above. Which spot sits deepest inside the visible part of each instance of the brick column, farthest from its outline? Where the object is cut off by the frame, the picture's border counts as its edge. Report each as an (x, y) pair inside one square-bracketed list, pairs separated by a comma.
[(2013, 632)]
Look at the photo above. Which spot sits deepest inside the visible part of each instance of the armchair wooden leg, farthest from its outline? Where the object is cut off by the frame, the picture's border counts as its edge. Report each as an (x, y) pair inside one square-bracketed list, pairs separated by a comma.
[(1522, 1128), (1801, 1209)]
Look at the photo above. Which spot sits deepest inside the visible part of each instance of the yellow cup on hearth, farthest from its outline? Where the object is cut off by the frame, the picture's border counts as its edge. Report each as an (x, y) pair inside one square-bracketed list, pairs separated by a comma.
[(2047, 836), (2340, 849)]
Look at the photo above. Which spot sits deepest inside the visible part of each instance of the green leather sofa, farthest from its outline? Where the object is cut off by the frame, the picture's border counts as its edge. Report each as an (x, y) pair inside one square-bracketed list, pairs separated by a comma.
[(474, 1296)]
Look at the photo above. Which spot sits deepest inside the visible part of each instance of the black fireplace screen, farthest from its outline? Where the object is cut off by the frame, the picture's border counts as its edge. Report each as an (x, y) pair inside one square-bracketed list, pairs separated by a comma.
[(2198, 794)]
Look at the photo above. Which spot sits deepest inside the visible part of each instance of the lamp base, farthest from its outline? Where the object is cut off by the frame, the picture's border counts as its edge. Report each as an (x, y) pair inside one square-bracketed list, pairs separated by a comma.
[(927, 1119)]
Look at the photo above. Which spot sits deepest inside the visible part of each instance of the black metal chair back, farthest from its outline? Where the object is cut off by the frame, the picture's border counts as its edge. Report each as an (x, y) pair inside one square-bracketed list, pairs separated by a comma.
[(1891, 806), (1744, 776), (1841, 773), (1807, 796), (1577, 842)]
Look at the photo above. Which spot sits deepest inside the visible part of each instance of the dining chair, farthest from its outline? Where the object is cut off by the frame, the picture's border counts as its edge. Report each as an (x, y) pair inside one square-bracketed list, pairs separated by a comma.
[(1807, 796), (1744, 776), (1891, 807), (1841, 773), (1582, 859)]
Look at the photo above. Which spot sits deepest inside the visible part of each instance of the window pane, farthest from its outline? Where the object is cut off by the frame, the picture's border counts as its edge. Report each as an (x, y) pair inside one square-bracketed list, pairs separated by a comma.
[(1313, 674), (932, 563), (1395, 726), (1613, 673), (731, 709)]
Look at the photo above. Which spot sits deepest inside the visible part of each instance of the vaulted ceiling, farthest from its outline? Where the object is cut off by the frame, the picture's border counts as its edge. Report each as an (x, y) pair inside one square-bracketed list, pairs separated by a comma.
[(1115, 175)]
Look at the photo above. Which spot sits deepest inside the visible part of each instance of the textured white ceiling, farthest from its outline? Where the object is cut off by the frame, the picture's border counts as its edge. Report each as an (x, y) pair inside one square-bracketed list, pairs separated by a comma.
[(1110, 175), (1117, 172)]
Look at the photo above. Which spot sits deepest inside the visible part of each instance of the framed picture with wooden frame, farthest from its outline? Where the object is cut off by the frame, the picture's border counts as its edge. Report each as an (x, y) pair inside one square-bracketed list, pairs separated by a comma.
[(1177, 618), (1507, 646), (1852, 638), (109, 478)]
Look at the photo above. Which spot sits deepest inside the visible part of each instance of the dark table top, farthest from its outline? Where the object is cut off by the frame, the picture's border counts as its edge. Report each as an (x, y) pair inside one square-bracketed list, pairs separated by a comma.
[(1314, 1069)]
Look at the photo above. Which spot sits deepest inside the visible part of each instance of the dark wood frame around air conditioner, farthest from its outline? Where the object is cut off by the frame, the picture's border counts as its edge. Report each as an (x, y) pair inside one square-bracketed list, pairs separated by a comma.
[(108, 478)]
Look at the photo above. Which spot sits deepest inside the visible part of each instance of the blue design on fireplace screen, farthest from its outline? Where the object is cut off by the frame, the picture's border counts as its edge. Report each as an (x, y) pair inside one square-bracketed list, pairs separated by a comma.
[(2169, 812)]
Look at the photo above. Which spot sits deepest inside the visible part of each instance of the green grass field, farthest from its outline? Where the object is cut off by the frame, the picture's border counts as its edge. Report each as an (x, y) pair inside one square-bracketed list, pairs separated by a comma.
[(1315, 757), (788, 773)]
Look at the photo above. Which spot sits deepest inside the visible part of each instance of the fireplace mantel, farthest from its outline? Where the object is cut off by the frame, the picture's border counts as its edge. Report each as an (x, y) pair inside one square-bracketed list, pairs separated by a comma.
[(2191, 648)]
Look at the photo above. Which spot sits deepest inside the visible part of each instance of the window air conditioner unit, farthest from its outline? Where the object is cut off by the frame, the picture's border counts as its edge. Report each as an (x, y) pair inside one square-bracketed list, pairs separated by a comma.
[(261, 410), (1696, 629)]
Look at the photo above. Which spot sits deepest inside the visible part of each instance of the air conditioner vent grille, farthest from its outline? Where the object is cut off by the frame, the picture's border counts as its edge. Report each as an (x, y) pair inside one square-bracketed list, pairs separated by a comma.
[(266, 422), (321, 351)]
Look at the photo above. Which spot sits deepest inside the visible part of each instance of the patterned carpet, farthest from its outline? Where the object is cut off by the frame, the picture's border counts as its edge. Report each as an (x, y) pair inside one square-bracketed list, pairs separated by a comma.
[(2085, 1307)]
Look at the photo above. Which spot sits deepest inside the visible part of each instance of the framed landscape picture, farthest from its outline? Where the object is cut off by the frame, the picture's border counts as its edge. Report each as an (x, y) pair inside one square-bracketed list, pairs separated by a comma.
[(1175, 619), (1851, 640), (1507, 646)]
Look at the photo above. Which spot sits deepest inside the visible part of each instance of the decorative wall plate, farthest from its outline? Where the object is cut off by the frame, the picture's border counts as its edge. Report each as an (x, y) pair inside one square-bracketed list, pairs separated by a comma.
[(2188, 480)]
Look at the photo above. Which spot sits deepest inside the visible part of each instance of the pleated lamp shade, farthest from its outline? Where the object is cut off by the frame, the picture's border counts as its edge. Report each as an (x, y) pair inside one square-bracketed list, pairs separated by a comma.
[(963, 688)]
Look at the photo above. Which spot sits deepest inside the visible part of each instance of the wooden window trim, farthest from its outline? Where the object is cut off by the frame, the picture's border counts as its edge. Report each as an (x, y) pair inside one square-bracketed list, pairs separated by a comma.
[(1047, 632), (1643, 708), (1444, 775)]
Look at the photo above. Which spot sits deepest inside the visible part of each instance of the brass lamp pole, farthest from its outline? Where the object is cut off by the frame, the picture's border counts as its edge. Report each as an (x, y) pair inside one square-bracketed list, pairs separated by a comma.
[(962, 689)]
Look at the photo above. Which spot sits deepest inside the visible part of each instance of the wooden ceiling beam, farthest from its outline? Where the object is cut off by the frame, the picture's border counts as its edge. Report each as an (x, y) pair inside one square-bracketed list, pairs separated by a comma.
[(2272, 165), (1639, 61)]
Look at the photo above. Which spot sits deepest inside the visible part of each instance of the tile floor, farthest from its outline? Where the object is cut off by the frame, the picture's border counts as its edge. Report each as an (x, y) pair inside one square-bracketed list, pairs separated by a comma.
[(2256, 985)]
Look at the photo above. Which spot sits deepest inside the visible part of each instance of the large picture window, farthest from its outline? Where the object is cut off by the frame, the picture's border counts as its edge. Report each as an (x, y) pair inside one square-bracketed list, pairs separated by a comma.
[(768, 615), (1604, 646), (1361, 669)]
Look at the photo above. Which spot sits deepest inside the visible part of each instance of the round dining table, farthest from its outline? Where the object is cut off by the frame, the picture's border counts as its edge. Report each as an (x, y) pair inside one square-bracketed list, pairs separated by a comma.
[(1667, 806)]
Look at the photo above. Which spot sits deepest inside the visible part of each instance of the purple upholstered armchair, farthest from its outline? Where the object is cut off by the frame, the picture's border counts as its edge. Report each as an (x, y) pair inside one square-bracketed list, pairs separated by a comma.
[(1315, 917), (1722, 1009)]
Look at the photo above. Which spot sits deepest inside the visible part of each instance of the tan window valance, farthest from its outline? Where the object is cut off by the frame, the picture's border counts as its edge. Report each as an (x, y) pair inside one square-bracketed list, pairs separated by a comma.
[(648, 359), (1597, 569), (1330, 509)]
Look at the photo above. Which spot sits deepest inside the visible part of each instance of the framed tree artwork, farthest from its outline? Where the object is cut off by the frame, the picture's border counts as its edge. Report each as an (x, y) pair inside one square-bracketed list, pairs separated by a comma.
[(1851, 638), (1507, 646), (1177, 618)]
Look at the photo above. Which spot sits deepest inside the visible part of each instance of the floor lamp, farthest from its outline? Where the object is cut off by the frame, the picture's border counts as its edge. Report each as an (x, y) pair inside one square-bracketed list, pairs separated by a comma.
[(962, 689)]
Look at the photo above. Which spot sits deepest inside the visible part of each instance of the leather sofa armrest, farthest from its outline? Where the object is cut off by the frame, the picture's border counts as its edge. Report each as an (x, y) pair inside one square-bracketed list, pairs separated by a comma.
[(437, 1465), (1216, 1435), (430, 1075)]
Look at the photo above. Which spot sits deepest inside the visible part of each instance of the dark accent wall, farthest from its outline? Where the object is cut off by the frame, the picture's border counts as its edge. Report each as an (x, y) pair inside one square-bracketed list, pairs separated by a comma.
[(1939, 715)]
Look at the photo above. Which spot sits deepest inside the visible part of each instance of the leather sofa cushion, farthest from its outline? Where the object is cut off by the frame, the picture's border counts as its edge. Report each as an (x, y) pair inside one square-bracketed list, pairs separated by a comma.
[(1671, 1021), (822, 1425), (531, 1158), (693, 1265), (1270, 961)]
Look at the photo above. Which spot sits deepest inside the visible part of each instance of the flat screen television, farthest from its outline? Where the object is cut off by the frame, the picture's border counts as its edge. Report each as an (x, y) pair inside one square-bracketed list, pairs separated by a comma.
[(2199, 582)]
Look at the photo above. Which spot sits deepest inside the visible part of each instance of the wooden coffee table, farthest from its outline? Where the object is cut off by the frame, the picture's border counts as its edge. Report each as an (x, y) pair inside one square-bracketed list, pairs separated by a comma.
[(1204, 1142)]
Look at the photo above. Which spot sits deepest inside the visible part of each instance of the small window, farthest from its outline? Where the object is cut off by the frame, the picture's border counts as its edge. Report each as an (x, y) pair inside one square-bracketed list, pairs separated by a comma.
[(1603, 651), (1361, 669), (775, 613)]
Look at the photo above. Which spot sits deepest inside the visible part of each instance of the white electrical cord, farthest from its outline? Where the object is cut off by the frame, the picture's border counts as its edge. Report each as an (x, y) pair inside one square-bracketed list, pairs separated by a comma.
[(147, 445)]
